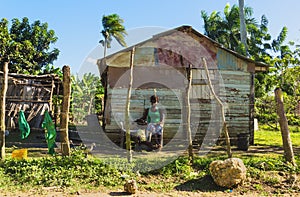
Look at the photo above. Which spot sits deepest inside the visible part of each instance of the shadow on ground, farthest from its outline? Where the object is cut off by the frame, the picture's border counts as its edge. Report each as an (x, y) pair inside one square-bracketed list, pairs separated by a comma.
[(204, 184), (119, 194)]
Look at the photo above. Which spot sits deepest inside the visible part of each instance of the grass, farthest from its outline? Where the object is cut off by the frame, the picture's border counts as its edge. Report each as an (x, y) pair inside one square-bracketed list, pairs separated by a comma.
[(268, 136), (77, 173)]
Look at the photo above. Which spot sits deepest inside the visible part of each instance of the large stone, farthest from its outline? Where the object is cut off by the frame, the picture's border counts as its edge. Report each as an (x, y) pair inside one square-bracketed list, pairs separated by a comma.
[(228, 173), (130, 186)]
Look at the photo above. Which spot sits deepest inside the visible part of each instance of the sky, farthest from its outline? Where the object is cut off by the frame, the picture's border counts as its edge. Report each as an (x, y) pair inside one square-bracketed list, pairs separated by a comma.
[(77, 23)]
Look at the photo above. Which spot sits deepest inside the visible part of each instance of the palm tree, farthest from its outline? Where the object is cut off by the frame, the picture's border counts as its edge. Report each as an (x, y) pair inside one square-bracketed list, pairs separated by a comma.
[(226, 30), (112, 28), (243, 25)]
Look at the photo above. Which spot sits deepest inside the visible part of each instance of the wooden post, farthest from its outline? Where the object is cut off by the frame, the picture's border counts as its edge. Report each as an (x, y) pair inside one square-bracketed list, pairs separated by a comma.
[(285, 133), (188, 113), (2, 108), (50, 99), (65, 144), (127, 124), (227, 139), (251, 108), (56, 108)]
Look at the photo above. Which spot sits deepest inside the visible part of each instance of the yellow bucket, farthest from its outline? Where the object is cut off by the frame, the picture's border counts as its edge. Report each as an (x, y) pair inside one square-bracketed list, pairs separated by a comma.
[(19, 154)]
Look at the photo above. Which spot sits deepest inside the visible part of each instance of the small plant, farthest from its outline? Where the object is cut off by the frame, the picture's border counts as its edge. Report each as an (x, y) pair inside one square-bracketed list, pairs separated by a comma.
[(272, 180), (258, 187), (180, 166)]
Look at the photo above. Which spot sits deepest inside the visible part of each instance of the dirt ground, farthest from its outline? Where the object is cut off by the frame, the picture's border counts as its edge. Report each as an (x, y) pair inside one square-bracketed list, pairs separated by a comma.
[(151, 194)]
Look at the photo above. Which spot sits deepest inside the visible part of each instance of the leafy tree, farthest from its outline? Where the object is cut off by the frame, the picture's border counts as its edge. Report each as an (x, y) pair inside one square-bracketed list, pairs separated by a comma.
[(51, 69), (112, 28), (26, 46), (291, 84), (226, 30), (87, 95), (5, 40), (281, 56)]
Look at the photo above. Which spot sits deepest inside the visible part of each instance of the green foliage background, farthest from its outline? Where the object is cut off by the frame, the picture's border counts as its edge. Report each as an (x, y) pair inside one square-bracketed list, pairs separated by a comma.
[(27, 47)]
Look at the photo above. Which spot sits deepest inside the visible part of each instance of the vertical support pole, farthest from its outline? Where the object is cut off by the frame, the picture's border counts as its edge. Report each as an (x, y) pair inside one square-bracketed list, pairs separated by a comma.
[(2, 108), (251, 109), (65, 144), (127, 127), (50, 99), (56, 108), (188, 113)]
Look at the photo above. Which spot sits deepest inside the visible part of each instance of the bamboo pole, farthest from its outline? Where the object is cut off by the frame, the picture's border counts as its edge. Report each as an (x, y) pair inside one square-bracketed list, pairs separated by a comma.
[(127, 124), (65, 144), (188, 113), (227, 139), (51, 99), (2, 108)]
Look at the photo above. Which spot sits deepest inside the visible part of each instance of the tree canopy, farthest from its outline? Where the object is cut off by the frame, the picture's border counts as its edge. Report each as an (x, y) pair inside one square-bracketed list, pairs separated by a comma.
[(276, 53), (226, 30), (87, 96), (282, 56), (112, 28), (26, 47)]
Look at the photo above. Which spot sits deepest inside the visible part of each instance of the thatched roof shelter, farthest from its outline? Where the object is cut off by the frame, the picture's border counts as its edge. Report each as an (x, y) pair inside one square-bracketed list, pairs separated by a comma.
[(32, 94)]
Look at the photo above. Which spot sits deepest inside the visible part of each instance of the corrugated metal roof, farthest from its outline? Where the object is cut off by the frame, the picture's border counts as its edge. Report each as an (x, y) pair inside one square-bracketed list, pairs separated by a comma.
[(122, 57)]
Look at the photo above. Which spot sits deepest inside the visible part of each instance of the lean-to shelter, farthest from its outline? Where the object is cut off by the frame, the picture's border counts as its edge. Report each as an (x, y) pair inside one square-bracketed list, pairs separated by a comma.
[(34, 95)]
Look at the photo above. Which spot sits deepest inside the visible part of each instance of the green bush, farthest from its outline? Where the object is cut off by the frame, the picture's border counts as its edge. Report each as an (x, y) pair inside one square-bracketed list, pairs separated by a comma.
[(61, 171), (77, 171), (293, 119)]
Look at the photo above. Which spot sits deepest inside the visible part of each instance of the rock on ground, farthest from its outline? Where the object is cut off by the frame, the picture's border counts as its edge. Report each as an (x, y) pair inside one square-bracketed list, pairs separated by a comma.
[(228, 173)]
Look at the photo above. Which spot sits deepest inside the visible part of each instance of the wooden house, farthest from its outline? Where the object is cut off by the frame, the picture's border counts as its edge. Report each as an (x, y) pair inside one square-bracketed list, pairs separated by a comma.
[(161, 66)]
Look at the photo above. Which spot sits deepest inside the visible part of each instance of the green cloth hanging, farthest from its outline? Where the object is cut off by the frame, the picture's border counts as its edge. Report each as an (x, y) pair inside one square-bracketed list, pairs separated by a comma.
[(23, 125), (50, 132)]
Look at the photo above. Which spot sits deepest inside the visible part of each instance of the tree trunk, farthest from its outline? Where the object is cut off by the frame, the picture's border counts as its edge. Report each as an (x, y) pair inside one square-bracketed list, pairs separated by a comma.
[(105, 48), (285, 133), (243, 25), (188, 114), (2, 108), (90, 106), (227, 139), (127, 124), (64, 121)]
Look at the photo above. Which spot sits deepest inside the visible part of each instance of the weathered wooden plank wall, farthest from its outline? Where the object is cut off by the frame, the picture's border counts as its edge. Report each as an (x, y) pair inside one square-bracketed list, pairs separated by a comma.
[(205, 116), (170, 100), (231, 80), (236, 92)]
